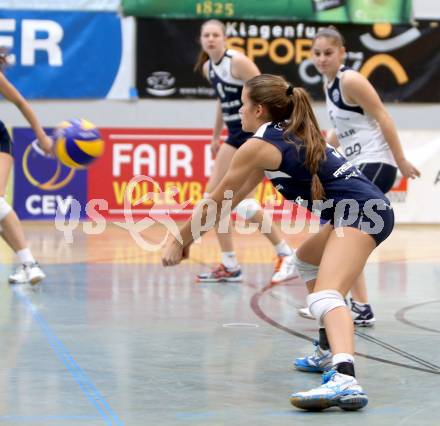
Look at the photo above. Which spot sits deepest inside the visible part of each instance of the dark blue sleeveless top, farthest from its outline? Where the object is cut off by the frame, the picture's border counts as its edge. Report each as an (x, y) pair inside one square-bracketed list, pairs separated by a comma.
[(228, 90), (340, 179)]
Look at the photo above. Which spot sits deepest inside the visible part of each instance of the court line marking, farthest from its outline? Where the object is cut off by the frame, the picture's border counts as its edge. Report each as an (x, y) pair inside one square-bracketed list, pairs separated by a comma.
[(40, 419), (241, 324), (86, 385), (380, 342), (254, 303), (400, 316), (398, 351)]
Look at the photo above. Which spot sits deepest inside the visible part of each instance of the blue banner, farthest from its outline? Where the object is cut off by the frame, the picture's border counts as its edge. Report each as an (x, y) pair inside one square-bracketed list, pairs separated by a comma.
[(41, 184), (56, 55)]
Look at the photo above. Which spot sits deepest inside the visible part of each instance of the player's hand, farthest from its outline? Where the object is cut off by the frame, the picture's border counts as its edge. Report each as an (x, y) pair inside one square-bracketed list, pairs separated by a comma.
[(407, 169), (46, 144), (173, 252), (215, 146)]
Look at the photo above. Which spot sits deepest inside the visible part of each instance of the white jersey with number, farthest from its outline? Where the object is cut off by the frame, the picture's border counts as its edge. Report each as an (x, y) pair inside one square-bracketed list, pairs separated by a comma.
[(358, 133)]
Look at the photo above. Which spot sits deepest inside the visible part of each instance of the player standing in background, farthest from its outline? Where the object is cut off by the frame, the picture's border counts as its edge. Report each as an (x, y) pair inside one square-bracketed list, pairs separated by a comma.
[(12, 232), (227, 70), (366, 134)]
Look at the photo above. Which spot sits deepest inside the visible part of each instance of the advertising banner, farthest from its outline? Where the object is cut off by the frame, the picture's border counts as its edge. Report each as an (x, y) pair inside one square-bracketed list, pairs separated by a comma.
[(357, 11), (152, 173), (401, 61), (41, 185), (64, 55), (61, 4), (172, 166)]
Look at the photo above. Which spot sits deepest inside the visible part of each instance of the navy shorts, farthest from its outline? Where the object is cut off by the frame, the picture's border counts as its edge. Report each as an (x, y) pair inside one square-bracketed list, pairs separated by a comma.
[(5, 140), (381, 174), (375, 219), (237, 137)]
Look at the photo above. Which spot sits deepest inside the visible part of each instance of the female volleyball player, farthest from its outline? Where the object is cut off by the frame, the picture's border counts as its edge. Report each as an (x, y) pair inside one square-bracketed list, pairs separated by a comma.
[(12, 232), (289, 148), (226, 70), (365, 132)]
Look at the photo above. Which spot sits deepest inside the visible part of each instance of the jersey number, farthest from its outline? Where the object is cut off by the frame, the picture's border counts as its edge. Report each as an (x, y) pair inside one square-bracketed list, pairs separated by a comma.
[(353, 150)]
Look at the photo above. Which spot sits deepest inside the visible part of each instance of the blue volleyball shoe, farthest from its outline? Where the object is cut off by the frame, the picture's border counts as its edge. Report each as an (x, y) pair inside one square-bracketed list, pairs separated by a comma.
[(362, 314), (336, 390), (319, 362)]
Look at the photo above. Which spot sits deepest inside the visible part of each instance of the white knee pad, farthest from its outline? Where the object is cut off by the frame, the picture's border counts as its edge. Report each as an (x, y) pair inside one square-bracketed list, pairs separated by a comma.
[(248, 208), (306, 271), (322, 302), (5, 208)]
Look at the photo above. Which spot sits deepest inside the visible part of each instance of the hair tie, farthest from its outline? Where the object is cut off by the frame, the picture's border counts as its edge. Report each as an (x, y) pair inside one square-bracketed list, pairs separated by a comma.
[(289, 90)]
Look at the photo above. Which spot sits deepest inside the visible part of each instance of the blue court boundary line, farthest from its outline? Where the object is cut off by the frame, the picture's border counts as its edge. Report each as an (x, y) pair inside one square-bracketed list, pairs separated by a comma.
[(28, 419), (86, 385)]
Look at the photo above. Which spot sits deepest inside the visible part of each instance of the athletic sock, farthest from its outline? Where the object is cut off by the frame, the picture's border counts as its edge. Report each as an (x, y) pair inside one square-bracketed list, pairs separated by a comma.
[(229, 260), (25, 256), (283, 249)]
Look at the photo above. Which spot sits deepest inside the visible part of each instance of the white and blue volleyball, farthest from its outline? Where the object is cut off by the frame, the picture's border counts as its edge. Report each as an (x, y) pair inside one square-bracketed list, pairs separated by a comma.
[(78, 143)]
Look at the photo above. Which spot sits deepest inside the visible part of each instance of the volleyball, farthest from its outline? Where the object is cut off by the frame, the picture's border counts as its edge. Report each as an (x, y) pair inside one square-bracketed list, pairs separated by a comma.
[(78, 143)]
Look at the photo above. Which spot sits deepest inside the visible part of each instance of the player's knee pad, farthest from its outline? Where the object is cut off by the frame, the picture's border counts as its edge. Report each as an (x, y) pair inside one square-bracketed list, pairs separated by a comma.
[(248, 208), (5, 208), (322, 302), (306, 271)]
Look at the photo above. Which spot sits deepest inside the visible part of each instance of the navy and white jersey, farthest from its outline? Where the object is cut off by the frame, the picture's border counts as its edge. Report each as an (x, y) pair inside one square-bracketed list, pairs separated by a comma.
[(5, 140), (228, 90), (358, 133), (340, 178)]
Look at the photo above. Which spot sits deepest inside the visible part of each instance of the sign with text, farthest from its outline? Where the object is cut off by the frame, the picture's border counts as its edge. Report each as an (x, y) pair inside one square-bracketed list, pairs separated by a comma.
[(163, 172), (173, 166), (41, 184), (399, 60), (357, 11), (63, 54)]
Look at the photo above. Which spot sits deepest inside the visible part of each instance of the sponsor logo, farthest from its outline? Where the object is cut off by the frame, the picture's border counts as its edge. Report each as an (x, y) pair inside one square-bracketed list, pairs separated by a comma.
[(335, 95), (161, 84), (346, 166), (59, 178), (45, 43)]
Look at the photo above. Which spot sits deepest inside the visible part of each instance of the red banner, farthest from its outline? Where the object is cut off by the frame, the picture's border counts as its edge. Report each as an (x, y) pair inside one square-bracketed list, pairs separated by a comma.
[(172, 168)]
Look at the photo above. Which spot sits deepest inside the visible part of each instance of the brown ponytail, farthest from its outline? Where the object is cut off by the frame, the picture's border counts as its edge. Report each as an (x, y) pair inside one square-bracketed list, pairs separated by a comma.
[(203, 56), (283, 102), (305, 125)]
